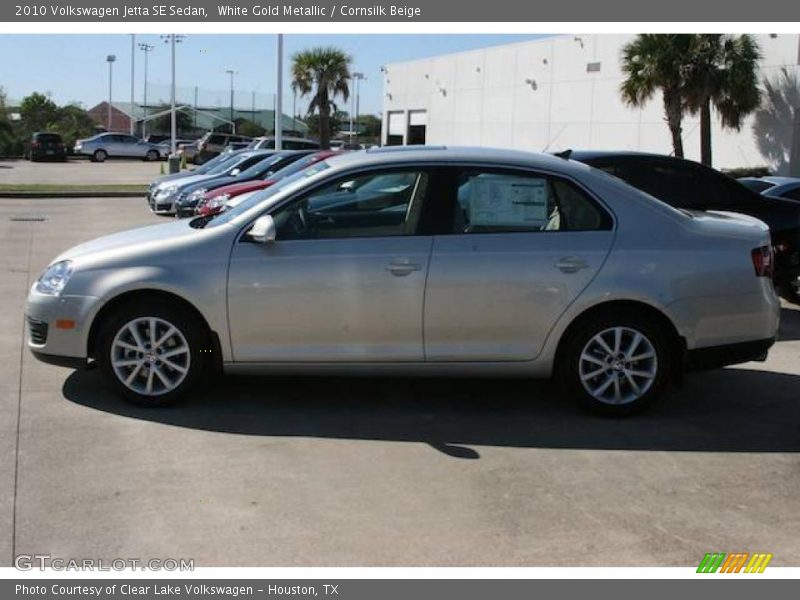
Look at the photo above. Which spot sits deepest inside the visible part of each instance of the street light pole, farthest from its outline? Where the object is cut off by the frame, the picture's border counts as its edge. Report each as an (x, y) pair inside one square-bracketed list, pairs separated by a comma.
[(133, 74), (172, 39), (279, 95), (231, 72), (147, 49), (110, 60), (357, 77)]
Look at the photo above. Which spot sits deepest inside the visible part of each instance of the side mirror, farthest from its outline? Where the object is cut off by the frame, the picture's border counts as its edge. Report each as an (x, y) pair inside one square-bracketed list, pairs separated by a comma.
[(263, 230), (236, 171)]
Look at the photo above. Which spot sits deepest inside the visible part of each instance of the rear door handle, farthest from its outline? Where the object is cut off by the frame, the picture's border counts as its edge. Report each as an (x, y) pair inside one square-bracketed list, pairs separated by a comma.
[(401, 268), (571, 264)]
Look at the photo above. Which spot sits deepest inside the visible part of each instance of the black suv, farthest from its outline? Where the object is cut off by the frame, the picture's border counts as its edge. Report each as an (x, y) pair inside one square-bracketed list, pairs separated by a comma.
[(48, 146), (690, 185)]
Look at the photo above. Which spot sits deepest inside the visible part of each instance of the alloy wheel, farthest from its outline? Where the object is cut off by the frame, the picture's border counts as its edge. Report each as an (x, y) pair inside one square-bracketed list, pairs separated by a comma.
[(618, 365), (150, 356)]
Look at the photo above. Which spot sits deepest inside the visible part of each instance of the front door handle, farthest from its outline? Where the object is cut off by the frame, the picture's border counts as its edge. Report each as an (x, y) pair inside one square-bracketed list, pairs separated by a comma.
[(571, 264), (401, 268)]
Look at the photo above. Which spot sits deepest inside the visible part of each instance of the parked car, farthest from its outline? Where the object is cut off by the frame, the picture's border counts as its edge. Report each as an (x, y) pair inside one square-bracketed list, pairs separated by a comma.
[(117, 145), (686, 184), (540, 267), (234, 146), (762, 184), (189, 151), (216, 200), (789, 190), (213, 143), (46, 146), (270, 163), (166, 145), (287, 143), (163, 196)]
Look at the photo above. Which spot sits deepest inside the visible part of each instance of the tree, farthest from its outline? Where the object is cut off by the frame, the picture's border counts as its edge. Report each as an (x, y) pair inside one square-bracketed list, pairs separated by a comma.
[(721, 70), (249, 128), (369, 126), (335, 122), (653, 62), (72, 122), (323, 73), (7, 138), (37, 113)]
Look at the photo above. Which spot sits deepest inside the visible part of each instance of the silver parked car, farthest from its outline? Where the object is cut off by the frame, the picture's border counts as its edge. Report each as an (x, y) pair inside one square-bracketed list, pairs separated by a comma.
[(425, 261), (118, 145)]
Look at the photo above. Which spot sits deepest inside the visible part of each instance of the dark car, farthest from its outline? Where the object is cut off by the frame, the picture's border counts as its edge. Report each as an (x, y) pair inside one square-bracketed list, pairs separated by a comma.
[(689, 185), (46, 146), (272, 162)]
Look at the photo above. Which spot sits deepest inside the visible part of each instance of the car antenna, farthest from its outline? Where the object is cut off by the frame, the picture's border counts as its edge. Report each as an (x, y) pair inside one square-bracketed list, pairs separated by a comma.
[(565, 154)]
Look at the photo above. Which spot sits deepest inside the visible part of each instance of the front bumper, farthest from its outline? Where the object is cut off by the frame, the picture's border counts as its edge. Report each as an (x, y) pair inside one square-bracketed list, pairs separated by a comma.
[(161, 206), (47, 337)]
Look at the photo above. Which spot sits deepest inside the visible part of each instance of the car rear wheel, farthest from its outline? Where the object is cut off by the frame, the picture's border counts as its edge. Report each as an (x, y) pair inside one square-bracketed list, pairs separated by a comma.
[(99, 156), (152, 354), (151, 155), (616, 363)]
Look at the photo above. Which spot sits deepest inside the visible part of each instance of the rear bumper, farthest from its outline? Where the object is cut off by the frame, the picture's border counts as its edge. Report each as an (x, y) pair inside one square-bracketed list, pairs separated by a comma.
[(715, 357)]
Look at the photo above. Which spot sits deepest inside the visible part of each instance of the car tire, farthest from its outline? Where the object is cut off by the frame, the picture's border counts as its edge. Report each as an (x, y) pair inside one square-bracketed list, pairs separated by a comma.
[(152, 155), (151, 353), (616, 363), (99, 156)]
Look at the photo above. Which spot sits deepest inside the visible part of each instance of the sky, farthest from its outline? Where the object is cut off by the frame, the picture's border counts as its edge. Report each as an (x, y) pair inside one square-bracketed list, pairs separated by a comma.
[(74, 68)]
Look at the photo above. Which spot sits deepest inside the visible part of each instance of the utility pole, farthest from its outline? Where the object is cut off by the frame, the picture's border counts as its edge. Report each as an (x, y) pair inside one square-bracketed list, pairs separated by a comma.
[(279, 95), (147, 49), (110, 60)]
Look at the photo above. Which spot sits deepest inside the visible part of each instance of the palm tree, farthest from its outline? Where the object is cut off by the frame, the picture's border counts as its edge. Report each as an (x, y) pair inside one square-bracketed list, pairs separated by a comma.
[(721, 71), (777, 123), (324, 73), (656, 61)]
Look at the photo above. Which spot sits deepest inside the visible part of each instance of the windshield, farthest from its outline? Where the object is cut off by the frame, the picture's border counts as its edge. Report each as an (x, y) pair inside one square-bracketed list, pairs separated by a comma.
[(262, 167), (284, 184), (206, 167), (229, 162)]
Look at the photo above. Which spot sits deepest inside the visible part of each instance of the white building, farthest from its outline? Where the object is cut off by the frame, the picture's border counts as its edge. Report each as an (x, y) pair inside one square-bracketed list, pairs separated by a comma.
[(563, 92)]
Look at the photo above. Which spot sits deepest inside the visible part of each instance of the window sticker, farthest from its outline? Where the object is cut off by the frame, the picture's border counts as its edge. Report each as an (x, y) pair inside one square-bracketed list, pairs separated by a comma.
[(508, 201)]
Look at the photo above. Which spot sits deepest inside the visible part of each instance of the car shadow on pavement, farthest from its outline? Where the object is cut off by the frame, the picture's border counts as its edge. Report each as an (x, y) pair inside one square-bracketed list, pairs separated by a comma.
[(790, 325), (731, 410)]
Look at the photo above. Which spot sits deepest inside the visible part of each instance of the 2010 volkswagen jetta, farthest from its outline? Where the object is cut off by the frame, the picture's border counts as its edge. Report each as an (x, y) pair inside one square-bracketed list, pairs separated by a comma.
[(419, 261)]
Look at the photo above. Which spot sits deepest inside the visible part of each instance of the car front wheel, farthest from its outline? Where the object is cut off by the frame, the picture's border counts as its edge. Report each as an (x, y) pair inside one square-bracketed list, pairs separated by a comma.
[(152, 354), (152, 155), (616, 364)]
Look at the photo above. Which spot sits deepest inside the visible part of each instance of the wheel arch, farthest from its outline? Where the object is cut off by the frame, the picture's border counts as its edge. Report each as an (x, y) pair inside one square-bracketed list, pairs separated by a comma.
[(140, 295), (677, 341)]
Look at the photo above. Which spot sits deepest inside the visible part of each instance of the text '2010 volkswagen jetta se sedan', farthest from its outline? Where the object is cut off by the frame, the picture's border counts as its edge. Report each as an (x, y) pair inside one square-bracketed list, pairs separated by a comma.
[(419, 261)]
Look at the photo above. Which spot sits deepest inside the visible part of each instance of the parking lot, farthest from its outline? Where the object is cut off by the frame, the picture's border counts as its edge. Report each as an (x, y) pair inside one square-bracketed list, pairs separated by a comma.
[(77, 171), (347, 472)]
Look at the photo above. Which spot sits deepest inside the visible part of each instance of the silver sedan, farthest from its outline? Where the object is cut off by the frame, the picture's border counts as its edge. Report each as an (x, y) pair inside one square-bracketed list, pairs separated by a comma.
[(427, 261), (118, 145)]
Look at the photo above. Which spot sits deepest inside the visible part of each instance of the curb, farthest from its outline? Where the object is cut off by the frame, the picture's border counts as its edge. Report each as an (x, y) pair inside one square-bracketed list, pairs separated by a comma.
[(73, 194)]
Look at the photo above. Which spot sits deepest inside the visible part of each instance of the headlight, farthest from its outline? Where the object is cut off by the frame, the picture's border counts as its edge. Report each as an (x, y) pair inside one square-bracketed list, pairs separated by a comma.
[(165, 192), (197, 195), (219, 201), (54, 278)]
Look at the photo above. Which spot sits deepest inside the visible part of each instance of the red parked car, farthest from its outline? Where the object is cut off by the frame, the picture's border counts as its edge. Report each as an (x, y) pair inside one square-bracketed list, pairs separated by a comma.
[(214, 201)]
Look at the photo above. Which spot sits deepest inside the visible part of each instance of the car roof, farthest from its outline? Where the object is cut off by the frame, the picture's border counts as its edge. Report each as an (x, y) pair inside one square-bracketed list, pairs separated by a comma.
[(582, 155), (445, 154), (778, 180)]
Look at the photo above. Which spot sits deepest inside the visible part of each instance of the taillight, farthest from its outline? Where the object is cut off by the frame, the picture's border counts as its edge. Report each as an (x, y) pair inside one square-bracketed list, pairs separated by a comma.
[(763, 261)]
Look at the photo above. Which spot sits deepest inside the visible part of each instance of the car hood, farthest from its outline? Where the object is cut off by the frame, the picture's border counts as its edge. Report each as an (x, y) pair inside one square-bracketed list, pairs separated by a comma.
[(184, 182), (131, 241)]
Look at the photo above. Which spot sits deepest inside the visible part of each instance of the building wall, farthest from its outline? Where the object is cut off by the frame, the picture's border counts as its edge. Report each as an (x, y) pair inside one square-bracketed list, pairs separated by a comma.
[(120, 122), (540, 95)]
